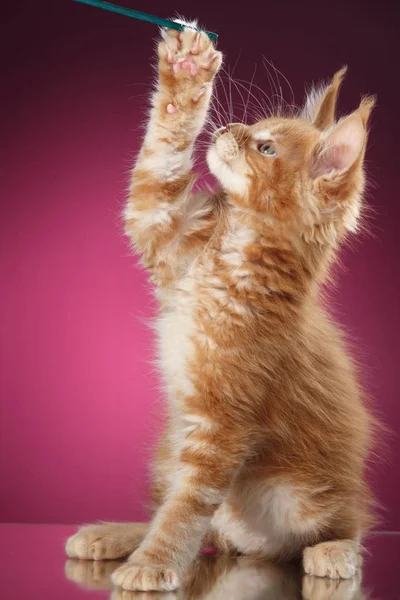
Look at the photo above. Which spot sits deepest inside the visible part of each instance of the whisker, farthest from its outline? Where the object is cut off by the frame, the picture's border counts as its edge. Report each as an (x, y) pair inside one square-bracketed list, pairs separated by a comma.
[(219, 107), (223, 87), (242, 82), (289, 105), (241, 96), (251, 83), (231, 115), (292, 98)]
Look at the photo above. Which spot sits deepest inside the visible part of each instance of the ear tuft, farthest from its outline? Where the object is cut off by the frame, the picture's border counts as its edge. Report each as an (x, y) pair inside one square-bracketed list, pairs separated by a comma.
[(339, 76), (320, 104), (366, 107)]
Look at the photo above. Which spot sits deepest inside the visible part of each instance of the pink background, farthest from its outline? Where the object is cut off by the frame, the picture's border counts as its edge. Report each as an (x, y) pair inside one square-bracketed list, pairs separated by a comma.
[(79, 397)]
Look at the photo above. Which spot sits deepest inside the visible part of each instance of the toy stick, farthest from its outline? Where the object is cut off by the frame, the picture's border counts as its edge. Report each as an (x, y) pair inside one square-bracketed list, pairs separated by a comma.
[(135, 14)]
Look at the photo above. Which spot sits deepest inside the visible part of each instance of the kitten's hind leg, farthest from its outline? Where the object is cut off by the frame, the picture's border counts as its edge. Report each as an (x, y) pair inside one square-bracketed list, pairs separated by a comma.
[(106, 541), (340, 559)]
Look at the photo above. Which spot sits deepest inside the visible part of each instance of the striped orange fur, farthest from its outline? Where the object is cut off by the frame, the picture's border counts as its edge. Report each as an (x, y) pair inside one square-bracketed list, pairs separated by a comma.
[(268, 433)]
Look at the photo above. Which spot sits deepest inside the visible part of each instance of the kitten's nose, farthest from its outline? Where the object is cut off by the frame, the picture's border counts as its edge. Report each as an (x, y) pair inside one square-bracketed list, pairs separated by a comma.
[(237, 129), (227, 146), (220, 131), (233, 126)]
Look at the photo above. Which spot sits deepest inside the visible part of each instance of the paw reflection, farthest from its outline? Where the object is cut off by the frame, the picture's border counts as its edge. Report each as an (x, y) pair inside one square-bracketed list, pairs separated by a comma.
[(120, 594), (323, 588), (223, 578), (91, 574)]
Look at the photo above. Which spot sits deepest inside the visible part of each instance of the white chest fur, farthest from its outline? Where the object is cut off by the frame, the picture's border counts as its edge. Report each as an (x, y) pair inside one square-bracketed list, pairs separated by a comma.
[(176, 328)]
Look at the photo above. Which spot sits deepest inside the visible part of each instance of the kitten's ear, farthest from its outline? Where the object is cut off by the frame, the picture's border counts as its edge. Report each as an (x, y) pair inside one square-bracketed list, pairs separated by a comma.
[(344, 145), (320, 104)]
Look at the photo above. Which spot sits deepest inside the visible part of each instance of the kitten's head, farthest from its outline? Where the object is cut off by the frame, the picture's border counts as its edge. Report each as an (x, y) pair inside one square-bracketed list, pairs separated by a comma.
[(303, 173)]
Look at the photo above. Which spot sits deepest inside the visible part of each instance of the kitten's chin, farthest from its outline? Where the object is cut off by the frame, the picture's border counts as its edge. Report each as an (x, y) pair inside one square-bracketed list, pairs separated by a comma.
[(231, 180)]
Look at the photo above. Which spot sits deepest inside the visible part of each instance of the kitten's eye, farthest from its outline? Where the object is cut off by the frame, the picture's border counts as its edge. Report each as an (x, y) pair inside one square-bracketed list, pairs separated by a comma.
[(266, 148)]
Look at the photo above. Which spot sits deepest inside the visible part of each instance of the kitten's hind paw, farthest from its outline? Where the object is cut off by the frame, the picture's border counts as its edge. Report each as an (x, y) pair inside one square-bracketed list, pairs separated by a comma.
[(337, 559)]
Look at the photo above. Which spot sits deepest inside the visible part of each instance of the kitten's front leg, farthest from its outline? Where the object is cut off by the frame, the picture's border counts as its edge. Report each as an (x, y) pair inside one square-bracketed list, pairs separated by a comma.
[(159, 215), (209, 458), (188, 63)]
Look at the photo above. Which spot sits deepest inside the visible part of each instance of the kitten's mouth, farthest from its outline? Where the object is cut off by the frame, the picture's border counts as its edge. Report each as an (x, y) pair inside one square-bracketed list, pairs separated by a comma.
[(224, 161)]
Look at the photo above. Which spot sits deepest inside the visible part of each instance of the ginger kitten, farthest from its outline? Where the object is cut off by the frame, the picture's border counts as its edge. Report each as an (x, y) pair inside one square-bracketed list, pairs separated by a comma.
[(265, 446)]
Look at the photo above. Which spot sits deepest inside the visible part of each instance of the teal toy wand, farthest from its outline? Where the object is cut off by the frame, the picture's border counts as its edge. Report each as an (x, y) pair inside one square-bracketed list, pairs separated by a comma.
[(135, 14)]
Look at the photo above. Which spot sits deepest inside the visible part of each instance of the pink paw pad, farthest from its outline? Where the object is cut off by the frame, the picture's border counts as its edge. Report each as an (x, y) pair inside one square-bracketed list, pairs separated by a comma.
[(188, 65), (171, 109)]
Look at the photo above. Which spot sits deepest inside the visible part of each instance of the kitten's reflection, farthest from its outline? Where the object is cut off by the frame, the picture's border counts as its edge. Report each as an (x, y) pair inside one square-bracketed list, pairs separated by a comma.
[(224, 578)]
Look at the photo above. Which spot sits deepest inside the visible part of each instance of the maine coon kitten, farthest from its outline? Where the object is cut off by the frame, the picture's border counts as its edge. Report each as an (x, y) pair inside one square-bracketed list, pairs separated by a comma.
[(265, 447)]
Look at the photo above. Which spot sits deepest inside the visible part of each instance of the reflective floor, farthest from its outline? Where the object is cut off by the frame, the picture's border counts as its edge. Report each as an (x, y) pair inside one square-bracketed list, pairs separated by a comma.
[(33, 566)]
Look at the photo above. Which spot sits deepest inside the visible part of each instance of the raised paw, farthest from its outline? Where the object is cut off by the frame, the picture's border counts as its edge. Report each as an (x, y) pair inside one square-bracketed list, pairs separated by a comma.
[(105, 541), (336, 560), (190, 52), (188, 64), (131, 576)]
